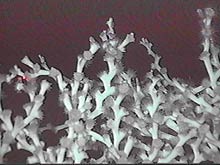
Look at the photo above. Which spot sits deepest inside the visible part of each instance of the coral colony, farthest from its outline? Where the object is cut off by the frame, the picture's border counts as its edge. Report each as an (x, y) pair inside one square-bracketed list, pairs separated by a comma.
[(159, 120)]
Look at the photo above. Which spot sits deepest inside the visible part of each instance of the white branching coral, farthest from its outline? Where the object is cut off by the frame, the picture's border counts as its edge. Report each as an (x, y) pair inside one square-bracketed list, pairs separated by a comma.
[(127, 120)]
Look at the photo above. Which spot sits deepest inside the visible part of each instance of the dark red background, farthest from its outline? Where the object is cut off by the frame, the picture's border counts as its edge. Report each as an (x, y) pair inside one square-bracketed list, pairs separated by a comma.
[(59, 30)]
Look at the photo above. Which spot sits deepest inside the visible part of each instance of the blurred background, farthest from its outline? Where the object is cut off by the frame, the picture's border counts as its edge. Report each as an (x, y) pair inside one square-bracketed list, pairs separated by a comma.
[(59, 30)]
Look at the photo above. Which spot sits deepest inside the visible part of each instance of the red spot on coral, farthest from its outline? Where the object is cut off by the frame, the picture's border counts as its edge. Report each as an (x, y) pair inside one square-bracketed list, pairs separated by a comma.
[(23, 78)]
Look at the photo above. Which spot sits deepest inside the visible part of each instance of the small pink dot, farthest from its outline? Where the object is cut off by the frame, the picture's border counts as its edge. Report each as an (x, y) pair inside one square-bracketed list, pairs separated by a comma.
[(25, 78)]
